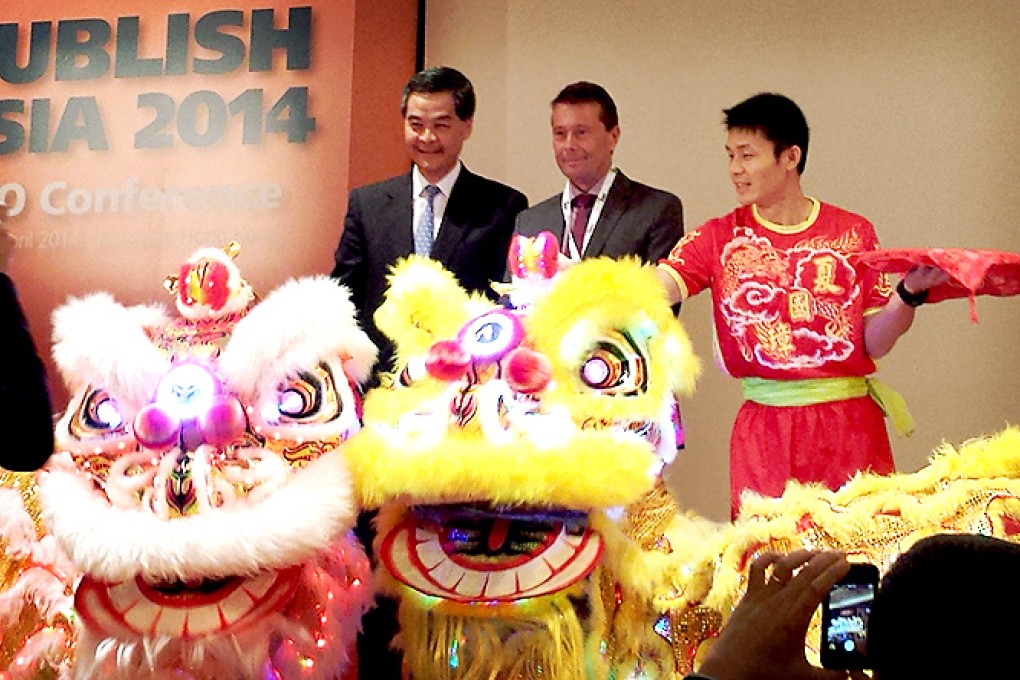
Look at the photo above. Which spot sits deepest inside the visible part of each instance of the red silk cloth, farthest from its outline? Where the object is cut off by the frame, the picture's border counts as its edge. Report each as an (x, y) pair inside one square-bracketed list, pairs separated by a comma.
[(971, 272)]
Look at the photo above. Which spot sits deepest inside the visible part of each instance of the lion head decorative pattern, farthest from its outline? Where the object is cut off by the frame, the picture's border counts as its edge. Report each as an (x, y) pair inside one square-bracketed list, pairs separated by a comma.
[(198, 484)]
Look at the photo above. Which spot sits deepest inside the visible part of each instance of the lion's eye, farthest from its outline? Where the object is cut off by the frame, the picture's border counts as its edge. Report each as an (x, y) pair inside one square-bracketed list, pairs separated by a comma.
[(98, 415), (98, 419), (300, 399), (296, 402), (310, 396), (602, 370), (615, 365)]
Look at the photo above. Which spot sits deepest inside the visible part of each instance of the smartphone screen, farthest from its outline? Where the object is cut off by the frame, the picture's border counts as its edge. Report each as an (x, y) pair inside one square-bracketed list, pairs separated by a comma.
[(845, 614)]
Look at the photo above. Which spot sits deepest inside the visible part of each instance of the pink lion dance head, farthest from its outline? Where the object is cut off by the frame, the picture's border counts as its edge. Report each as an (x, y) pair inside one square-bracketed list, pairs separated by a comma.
[(199, 486)]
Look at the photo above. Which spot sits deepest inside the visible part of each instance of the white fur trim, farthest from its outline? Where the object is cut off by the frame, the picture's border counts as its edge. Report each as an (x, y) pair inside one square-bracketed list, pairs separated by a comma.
[(40, 587), (16, 527), (100, 342), (300, 324), (300, 518)]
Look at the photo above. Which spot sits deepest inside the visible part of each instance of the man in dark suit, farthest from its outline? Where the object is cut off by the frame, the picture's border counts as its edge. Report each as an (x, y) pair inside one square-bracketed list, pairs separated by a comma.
[(471, 217), (600, 211), (439, 209), (25, 407)]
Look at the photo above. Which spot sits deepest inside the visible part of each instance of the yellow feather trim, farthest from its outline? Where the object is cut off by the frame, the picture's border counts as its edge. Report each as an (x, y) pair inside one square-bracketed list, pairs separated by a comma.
[(601, 294), (594, 470), (547, 642), (424, 303), (697, 571)]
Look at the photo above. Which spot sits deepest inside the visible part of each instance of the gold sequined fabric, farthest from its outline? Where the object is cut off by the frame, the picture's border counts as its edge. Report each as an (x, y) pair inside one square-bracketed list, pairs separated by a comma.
[(647, 519)]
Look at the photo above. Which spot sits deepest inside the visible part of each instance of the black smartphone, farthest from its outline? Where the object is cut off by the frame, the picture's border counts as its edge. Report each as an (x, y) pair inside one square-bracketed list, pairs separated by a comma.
[(845, 614)]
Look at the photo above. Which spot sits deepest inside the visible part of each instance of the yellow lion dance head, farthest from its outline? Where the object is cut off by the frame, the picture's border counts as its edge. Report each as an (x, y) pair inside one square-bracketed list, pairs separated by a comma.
[(504, 431)]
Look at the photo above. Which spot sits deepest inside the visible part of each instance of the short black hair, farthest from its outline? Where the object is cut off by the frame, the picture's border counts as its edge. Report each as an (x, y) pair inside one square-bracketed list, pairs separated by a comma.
[(948, 590), (777, 117), (583, 92), (442, 79)]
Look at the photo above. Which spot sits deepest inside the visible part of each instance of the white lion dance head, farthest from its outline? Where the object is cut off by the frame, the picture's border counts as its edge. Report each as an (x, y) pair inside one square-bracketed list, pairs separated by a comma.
[(199, 485)]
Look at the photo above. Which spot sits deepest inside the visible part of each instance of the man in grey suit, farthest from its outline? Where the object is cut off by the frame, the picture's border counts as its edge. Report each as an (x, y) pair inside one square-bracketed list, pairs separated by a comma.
[(439, 209), (600, 211)]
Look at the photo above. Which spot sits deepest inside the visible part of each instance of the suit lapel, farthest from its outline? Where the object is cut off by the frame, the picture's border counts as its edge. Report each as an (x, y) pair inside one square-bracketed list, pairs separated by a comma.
[(456, 219), (399, 215), (612, 211), (554, 221)]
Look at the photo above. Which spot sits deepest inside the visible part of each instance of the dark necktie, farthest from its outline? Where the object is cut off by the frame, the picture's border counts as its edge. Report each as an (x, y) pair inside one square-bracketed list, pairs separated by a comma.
[(582, 204), (424, 234)]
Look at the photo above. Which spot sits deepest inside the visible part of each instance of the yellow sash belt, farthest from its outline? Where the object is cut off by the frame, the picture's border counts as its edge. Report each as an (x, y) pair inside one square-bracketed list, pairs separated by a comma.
[(822, 390)]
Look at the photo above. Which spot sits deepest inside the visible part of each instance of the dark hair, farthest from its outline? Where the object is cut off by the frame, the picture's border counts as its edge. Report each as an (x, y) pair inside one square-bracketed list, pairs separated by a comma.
[(948, 590), (583, 92), (777, 117), (442, 79)]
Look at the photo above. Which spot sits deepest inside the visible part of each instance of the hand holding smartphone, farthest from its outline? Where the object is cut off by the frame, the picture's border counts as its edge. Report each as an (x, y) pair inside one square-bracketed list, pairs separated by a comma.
[(845, 614)]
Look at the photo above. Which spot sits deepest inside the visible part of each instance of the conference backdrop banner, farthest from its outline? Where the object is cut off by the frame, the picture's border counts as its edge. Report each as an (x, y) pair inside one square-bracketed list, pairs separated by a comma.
[(133, 133)]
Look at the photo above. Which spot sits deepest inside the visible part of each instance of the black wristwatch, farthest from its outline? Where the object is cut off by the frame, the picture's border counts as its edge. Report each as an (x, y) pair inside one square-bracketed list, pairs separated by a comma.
[(911, 299)]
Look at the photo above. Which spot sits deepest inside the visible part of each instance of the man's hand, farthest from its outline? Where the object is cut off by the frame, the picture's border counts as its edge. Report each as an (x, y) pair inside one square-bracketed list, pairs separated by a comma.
[(923, 277), (764, 637)]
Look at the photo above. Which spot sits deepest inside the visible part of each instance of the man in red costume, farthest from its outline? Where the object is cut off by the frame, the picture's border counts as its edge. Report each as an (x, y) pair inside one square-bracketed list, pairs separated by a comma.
[(794, 320)]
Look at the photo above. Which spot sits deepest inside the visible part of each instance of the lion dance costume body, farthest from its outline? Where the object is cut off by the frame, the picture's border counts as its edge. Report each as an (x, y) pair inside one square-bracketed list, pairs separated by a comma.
[(194, 521), (524, 527)]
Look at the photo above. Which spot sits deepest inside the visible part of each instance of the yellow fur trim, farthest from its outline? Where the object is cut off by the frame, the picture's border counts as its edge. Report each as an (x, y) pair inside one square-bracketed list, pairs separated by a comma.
[(385, 406), (594, 470), (852, 518), (602, 294), (697, 571), (424, 303), (548, 643), (673, 576)]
